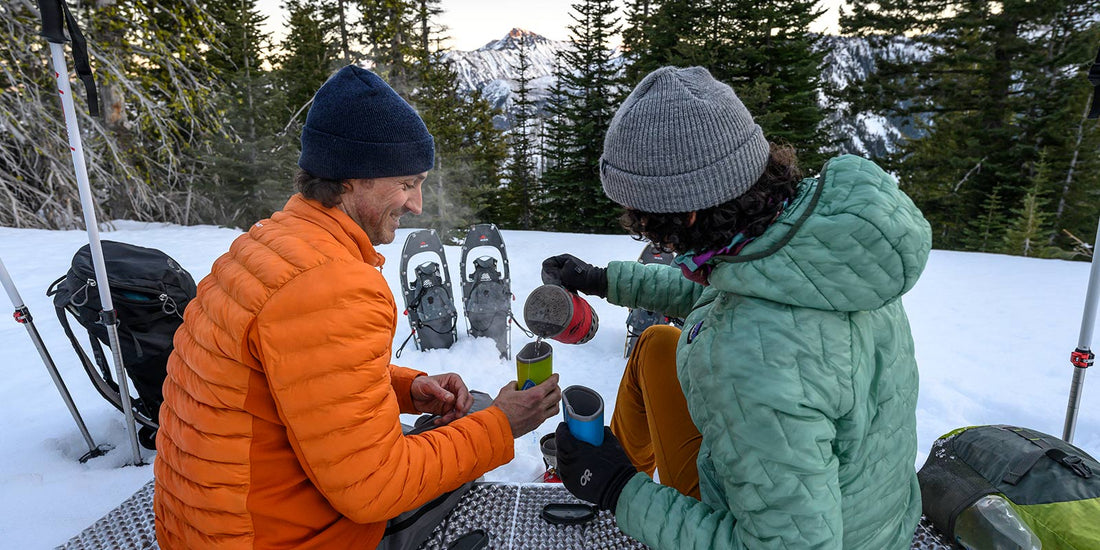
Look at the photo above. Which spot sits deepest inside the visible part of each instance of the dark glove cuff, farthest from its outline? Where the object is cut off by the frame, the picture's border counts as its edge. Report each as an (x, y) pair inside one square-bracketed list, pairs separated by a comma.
[(597, 282), (609, 500)]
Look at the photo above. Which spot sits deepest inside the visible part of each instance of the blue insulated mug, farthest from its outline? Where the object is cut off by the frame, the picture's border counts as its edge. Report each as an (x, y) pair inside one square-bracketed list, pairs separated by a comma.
[(583, 410)]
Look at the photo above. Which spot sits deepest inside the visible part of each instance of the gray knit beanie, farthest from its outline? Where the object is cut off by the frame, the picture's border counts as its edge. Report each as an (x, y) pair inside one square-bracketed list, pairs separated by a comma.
[(681, 142)]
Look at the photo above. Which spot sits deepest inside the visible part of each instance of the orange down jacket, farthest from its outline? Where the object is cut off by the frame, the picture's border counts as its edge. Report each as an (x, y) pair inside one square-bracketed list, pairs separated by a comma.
[(280, 424)]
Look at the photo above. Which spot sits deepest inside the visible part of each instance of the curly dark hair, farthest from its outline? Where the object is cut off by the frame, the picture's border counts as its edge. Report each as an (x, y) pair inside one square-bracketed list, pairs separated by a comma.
[(716, 226), (327, 192)]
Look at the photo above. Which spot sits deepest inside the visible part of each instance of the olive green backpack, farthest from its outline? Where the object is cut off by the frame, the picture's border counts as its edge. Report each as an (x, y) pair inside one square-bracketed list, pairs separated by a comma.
[(1053, 486)]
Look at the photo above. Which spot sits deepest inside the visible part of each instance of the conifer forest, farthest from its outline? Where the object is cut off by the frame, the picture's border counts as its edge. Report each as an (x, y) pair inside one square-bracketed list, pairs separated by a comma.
[(202, 109)]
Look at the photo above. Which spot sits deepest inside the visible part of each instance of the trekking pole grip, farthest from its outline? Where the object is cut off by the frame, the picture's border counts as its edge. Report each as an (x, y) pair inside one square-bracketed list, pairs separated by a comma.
[(52, 20)]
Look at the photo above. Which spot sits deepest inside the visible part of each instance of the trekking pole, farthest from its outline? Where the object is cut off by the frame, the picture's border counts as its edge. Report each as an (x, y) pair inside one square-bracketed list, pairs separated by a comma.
[(23, 317), (52, 29), (1082, 357)]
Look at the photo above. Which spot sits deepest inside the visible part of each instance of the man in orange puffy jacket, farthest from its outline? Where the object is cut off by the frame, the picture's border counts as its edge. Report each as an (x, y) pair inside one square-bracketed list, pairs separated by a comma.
[(280, 424)]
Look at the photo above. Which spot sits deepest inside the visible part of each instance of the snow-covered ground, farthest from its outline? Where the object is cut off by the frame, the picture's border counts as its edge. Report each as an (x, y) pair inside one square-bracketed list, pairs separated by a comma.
[(993, 336)]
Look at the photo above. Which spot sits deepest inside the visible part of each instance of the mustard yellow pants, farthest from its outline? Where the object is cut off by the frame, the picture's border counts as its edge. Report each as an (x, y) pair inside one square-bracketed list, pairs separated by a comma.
[(651, 416)]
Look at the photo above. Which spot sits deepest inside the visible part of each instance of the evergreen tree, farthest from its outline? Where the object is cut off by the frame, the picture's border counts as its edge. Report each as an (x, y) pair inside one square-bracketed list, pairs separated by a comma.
[(145, 156), (249, 173), (773, 56), (514, 205), (1029, 232), (393, 37), (469, 150), (1027, 235), (427, 31), (1069, 143), (636, 34), (159, 98), (986, 232), (308, 57), (994, 84), (580, 110), (764, 50), (344, 28), (662, 32)]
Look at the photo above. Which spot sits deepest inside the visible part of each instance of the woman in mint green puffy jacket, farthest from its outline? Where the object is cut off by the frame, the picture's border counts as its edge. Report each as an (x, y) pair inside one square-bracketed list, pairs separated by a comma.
[(796, 361)]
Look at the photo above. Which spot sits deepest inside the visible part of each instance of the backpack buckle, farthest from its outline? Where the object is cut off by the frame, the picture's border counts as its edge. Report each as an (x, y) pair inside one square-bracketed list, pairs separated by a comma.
[(1073, 462), (1078, 466)]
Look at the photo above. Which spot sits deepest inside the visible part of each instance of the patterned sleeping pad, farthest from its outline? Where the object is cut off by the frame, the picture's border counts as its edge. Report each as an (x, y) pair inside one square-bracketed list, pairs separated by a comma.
[(508, 513)]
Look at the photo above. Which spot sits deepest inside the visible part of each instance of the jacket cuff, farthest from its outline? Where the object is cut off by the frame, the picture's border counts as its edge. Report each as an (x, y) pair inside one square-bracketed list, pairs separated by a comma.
[(401, 380), (630, 494), (501, 445), (614, 270)]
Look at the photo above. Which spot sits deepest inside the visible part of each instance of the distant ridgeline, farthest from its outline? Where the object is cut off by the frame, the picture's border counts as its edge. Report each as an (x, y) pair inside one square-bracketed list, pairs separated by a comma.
[(978, 111), (491, 70)]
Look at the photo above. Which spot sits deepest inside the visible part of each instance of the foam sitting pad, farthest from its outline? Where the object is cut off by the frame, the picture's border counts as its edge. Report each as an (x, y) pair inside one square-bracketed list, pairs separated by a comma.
[(508, 513)]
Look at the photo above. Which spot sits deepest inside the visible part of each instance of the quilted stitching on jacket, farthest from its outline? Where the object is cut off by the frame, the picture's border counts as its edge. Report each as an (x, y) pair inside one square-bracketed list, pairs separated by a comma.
[(280, 425), (802, 378)]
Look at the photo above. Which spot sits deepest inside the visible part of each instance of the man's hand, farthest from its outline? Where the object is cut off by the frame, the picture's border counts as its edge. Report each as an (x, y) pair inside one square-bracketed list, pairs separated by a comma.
[(594, 474), (575, 275), (443, 394), (527, 409)]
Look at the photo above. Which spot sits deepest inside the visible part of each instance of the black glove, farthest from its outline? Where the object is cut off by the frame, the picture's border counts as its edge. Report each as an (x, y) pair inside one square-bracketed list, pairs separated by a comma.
[(594, 474), (575, 275)]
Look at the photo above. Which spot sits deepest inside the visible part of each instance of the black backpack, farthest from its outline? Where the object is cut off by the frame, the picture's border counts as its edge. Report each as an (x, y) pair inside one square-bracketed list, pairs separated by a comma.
[(149, 291)]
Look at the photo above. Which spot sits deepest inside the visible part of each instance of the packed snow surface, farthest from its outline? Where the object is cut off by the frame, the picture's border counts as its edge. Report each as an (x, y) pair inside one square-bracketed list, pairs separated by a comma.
[(993, 336)]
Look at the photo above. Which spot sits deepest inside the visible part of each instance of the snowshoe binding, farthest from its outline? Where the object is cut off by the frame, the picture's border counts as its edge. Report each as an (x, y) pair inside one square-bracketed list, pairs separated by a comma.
[(487, 287), (640, 319), (429, 300)]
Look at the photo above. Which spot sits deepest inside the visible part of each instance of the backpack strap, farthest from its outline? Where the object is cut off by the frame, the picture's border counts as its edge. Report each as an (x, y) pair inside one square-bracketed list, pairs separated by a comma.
[(100, 358), (1026, 461), (53, 288)]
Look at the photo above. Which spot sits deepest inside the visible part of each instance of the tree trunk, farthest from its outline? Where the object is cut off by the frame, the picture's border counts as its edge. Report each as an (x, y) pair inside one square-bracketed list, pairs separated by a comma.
[(343, 33), (1073, 162)]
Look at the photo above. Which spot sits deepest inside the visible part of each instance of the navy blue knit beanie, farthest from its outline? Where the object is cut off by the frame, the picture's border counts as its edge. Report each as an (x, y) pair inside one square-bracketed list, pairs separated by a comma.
[(359, 128)]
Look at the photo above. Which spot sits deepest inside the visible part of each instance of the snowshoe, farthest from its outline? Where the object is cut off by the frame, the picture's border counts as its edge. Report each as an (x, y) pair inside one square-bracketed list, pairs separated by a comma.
[(429, 300), (487, 288), (640, 319)]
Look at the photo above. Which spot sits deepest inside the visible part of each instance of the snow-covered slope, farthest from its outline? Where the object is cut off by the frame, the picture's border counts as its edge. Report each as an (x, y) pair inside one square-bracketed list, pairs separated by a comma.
[(993, 336)]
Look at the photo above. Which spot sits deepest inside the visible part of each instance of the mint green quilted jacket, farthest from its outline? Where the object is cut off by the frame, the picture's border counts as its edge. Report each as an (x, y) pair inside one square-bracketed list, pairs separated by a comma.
[(797, 363)]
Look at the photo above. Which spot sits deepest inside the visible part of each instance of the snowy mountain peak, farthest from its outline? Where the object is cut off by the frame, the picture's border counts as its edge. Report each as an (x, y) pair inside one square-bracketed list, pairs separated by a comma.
[(492, 69), (514, 39)]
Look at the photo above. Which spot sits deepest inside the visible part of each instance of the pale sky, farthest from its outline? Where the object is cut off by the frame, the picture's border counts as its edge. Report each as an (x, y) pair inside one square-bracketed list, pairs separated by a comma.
[(473, 23)]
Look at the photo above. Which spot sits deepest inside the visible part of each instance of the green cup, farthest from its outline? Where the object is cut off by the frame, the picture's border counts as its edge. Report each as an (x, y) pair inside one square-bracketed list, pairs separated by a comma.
[(534, 363)]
